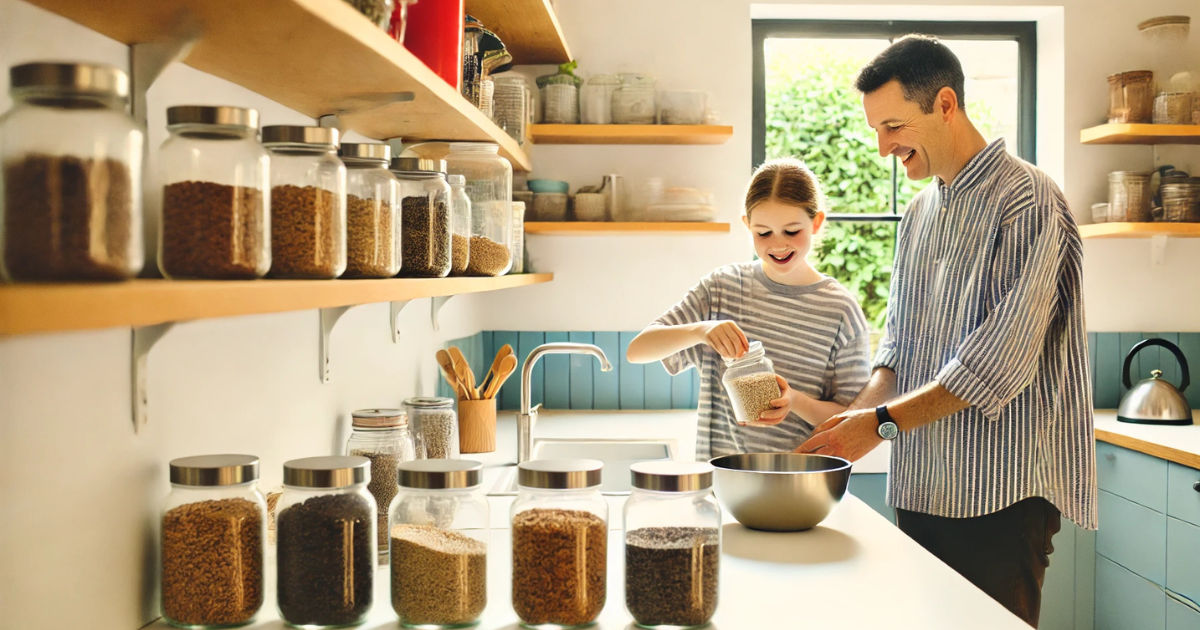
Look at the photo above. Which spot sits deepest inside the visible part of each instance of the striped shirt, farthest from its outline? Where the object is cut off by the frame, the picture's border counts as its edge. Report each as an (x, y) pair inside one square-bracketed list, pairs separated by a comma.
[(987, 300), (816, 336)]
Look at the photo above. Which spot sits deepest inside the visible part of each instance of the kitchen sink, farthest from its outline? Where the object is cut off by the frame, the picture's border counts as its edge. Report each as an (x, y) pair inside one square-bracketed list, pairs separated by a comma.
[(617, 456)]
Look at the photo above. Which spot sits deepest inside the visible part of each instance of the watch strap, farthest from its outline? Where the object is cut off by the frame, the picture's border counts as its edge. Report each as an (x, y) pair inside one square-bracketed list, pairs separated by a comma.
[(881, 412)]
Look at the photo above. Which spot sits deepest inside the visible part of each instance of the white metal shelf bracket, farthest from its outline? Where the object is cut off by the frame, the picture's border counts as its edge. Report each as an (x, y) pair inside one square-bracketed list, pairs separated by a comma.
[(1158, 250), (144, 338), (329, 319), (147, 60), (394, 318), (436, 305), (362, 104)]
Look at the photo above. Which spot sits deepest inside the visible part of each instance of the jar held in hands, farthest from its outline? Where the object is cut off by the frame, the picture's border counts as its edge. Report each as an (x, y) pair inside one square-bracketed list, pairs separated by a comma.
[(751, 384)]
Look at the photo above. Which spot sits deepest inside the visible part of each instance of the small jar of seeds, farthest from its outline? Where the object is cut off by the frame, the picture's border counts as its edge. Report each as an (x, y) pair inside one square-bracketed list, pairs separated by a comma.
[(435, 424), (559, 543), (308, 202), (672, 545), (425, 241), (213, 540), (372, 218), (488, 179), (460, 225), (382, 436), (751, 384), (439, 537)]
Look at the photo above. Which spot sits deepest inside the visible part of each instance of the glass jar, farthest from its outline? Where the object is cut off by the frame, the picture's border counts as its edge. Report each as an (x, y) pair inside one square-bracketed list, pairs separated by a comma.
[(372, 223), (634, 102), (216, 215), (72, 179), (595, 99), (751, 384), (382, 436), (325, 531), (489, 185), (460, 225), (425, 243), (213, 541), (683, 107), (518, 238), (439, 537), (1131, 97), (1129, 196), (509, 95), (672, 545), (435, 424), (308, 202), (559, 543), (379, 12)]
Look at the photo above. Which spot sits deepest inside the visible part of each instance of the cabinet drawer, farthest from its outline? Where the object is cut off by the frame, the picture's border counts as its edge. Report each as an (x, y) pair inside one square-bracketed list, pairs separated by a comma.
[(1180, 617), (1136, 476), (1125, 601), (1183, 552), (1133, 536), (1183, 500)]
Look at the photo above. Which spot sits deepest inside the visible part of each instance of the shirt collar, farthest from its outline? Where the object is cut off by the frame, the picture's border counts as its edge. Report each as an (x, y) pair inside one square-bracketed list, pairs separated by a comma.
[(977, 167)]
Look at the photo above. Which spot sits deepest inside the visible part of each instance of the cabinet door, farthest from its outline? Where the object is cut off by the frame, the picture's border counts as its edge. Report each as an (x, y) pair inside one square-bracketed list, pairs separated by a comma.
[(1183, 500), (1133, 536), (1135, 476), (1183, 558), (1125, 601), (1180, 617)]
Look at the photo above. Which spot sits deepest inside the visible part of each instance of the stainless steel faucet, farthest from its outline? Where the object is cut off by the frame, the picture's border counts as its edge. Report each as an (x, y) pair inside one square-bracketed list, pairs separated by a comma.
[(528, 417)]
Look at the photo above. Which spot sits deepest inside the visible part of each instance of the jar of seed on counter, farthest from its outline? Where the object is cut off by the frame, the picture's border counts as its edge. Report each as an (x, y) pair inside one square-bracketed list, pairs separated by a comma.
[(559, 543), (672, 544), (72, 175), (213, 541), (308, 202), (436, 426), (372, 218), (325, 542), (216, 206), (488, 179), (439, 538), (382, 436), (751, 384), (425, 243), (460, 225)]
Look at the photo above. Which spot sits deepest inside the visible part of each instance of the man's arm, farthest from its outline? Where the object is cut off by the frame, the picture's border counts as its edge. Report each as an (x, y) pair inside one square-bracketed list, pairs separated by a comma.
[(881, 387)]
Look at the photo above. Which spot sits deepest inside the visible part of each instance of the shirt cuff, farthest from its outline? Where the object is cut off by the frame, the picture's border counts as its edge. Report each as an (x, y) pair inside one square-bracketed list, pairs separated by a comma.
[(885, 357), (959, 380)]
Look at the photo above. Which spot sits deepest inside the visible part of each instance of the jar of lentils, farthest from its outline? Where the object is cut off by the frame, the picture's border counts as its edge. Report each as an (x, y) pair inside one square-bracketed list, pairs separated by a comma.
[(436, 425), (308, 202), (425, 241), (372, 218)]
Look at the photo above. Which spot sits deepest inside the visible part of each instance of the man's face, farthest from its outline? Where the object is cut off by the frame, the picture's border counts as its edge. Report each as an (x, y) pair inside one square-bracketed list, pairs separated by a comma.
[(919, 140)]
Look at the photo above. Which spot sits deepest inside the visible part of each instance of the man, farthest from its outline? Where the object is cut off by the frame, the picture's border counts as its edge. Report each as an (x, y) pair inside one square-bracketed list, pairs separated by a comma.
[(981, 379)]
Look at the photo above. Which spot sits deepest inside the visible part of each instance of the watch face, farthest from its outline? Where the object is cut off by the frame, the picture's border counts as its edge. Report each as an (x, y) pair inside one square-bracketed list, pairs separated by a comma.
[(888, 430)]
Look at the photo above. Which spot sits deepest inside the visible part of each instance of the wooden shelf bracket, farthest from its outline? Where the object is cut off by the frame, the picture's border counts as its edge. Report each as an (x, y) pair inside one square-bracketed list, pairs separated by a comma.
[(394, 318), (144, 338), (147, 60), (329, 319)]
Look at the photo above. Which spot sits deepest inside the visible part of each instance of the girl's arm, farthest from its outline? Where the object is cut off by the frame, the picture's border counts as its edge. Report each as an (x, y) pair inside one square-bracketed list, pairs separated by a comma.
[(812, 410), (658, 342)]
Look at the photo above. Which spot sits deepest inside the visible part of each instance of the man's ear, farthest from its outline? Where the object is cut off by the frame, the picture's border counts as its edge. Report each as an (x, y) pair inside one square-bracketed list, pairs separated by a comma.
[(946, 103)]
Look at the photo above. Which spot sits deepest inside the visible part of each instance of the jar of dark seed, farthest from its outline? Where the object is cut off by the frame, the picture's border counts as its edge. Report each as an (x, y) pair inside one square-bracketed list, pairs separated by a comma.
[(489, 185), (216, 210), (372, 218), (325, 542), (439, 537), (559, 543), (213, 539), (382, 436), (72, 175), (672, 545), (308, 202), (751, 384), (436, 426), (425, 241), (460, 225)]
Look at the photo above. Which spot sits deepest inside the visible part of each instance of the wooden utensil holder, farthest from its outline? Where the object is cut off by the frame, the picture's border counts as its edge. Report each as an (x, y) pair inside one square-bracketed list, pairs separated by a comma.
[(477, 425)]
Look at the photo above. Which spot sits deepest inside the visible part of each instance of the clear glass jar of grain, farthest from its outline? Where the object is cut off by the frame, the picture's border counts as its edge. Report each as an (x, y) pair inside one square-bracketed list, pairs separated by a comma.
[(213, 542), (372, 218), (439, 538), (325, 542), (460, 225), (751, 384), (72, 178), (382, 436), (216, 210), (559, 543), (425, 244), (489, 185), (308, 202), (436, 426), (672, 545)]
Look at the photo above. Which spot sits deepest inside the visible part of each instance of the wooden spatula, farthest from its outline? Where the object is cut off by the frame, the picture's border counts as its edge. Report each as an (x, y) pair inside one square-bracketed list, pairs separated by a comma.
[(448, 372)]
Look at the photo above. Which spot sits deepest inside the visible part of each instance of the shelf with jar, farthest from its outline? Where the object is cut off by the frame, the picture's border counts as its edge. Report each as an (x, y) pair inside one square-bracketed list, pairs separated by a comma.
[(1147, 134), (529, 29), (1139, 230), (631, 134), (623, 228)]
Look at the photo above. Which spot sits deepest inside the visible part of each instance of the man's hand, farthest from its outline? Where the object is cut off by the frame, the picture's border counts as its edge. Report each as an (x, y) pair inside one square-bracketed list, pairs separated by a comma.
[(849, 435), (780, 407), (726, 338)]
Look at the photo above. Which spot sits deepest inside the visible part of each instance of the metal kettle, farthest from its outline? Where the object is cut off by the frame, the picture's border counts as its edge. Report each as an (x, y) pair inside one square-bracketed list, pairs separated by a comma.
[(1155, 400)]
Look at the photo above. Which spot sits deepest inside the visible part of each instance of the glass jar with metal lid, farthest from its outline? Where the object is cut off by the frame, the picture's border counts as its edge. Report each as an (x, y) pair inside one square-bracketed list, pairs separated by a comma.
[(382, 436), (326, 551), (751, 384), (425, 244), (436, 426), (439, 537), (489, 185), (559, 543), (216, 210), (672, 527), (213, 540), (372, 218), (460, 225), (308, 202), (72, 178)]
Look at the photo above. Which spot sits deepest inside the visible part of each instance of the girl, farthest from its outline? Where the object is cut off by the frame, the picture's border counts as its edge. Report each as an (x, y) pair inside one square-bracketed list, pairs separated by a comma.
[(810, 326)]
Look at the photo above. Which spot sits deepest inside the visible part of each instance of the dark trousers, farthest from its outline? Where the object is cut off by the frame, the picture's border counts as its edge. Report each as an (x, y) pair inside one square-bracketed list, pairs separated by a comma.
[(1004, 553)]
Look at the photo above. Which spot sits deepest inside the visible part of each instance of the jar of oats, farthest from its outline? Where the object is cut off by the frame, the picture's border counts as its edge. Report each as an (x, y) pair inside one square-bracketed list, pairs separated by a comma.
[(372, 217), (751, 384)]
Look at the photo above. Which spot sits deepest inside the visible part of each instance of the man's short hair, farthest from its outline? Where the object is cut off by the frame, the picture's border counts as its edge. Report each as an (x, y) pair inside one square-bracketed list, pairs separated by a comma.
[(921, 64)]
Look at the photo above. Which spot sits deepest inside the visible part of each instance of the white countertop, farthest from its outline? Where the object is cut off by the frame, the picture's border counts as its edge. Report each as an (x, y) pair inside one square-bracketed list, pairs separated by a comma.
[(1179, 444)]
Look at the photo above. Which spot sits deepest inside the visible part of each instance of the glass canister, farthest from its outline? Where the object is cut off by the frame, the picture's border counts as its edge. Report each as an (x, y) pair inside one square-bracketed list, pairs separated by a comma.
[(460, 225), (425, 241), (308, 202), (634, 101), (214, 527), (595, 99), (489, 185), (72, 179), (382, 436), (325, 537), (436, 426), (751, 384), (439, 538), (1131, 97), (216, 213), (510, 105), (372, 219), (518, 238), (560, 95), (379, 12), (672, 545), (1129, 196)]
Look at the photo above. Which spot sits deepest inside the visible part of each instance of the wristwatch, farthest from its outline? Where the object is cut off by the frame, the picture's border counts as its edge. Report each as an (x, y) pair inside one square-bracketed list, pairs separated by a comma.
[(887, 427)]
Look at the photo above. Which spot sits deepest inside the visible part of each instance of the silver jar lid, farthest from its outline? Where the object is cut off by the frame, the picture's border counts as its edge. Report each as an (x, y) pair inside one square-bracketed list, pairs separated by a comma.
[(80, 78), (429, 402), (413, 164), (212, 115), (560, 474), (378, 418), (326, 472), (214, 470), (298, 134), (373, 151), (440, 474), (668, 476)]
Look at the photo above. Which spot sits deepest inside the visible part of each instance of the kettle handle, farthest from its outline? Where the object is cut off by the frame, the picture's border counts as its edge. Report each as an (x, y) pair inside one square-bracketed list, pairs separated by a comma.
[(1138, 347)]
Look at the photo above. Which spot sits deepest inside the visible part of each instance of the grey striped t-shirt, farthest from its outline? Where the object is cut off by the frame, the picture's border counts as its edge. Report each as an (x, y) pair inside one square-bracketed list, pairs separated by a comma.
[(816, 336)]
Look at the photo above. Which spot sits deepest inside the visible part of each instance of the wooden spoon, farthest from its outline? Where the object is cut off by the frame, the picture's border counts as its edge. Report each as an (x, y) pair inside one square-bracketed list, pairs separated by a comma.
[(505, 351), (463, 370), (507, 366), (448, 372)]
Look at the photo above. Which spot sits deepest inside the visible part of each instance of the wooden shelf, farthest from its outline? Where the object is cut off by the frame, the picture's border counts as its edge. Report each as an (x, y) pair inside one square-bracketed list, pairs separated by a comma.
[(1141, 134), (583, 228), (43, 308), (630, 134), (1139, 230), (315, 56), (529, 29)]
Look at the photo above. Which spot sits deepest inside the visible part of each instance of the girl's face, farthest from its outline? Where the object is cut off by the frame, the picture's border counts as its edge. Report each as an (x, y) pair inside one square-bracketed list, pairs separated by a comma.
[(782, 235)]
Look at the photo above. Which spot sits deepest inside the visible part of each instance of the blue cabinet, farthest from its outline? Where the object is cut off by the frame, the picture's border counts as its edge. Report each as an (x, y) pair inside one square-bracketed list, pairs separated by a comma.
[(1181, 617), (1126, 600), (1132, 475), (1183, 500), (1133, 536)]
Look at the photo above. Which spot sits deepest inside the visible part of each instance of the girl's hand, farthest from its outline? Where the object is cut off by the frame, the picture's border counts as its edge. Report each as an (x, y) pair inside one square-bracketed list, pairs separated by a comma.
[(780, 407), (726, 338)]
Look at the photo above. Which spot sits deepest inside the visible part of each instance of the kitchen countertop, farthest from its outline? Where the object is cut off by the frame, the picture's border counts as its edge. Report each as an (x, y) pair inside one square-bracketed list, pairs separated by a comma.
[(1179, 444)]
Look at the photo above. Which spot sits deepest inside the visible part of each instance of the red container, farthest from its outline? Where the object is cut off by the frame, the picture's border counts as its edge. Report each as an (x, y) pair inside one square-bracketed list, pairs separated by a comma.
[(434, 34)]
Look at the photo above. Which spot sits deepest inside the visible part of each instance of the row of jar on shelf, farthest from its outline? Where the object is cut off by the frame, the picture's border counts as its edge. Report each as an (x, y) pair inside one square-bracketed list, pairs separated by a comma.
[(237, 203), (1166, 195)]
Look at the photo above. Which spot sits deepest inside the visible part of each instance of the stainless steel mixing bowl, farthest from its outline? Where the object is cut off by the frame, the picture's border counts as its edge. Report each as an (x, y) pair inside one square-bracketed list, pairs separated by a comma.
[(780, 492)]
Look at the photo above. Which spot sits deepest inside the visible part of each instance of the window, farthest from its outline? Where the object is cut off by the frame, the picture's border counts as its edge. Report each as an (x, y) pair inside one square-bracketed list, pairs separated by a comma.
[(805, 106)]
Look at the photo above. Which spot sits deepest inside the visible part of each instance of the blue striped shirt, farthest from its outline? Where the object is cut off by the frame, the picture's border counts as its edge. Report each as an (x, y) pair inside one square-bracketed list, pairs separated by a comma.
[(987, 300)]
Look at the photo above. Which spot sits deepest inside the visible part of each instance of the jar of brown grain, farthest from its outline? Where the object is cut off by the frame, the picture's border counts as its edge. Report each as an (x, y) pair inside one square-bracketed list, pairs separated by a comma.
[(308, 202), (372, 219)]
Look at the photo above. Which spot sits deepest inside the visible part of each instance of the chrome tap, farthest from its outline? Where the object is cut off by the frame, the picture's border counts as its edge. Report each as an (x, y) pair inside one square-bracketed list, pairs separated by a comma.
[(528, 417)]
